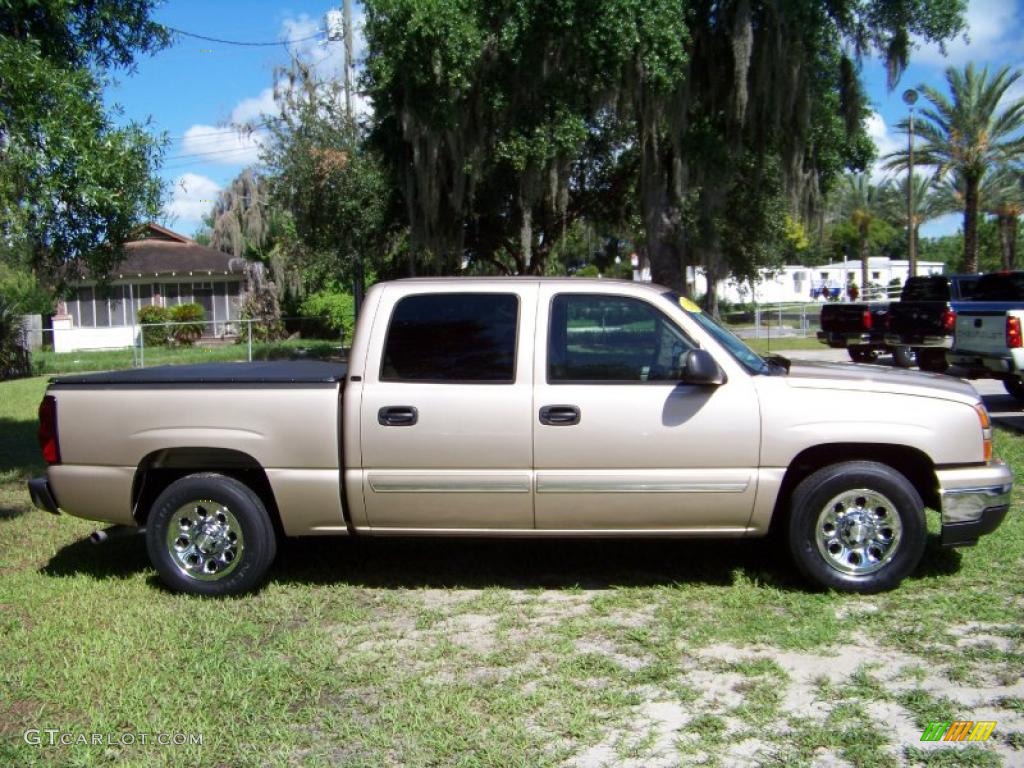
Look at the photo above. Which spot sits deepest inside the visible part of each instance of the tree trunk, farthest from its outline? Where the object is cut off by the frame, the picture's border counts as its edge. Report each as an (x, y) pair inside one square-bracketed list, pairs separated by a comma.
[(971, 225), (525, 235), (1012, 227), (1006, 239), (865, 250)]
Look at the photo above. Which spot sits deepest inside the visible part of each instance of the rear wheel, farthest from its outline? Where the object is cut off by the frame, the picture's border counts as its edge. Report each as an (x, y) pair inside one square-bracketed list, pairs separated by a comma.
[(1015, 387), (209, 534), (862, 354), (932, 360), (858, 526), (904, 357)]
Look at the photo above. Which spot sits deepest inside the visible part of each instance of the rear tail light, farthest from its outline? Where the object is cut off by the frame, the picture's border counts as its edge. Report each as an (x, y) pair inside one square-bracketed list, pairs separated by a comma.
[(1014, 339), (866, 320), (949, 321), (48, 430), (986, 431)]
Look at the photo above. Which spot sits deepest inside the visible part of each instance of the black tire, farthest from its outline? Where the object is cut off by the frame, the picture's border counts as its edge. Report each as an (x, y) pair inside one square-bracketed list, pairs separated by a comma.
[(878, 499), (904, 357), (862, 354), (1015, 386), (238, 545), (932, 360)]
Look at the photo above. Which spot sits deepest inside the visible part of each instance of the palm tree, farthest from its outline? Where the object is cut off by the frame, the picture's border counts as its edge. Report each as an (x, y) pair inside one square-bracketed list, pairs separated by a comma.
[(1000, 194), (1005, 201), (969, 133), (929, 202), (862, 203)]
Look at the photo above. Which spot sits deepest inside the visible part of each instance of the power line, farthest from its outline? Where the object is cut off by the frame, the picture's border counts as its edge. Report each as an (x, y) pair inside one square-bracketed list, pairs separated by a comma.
[(240, 42), (242, 128), (214, 152)]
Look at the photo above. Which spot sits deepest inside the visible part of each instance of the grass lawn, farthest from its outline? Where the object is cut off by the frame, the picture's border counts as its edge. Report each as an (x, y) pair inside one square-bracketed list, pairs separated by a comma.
[(497, 653)]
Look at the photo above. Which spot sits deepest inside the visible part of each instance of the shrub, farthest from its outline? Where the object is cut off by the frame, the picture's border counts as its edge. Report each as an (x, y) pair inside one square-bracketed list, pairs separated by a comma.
[(155, 336), (14, 359), (187, 335), (334, 309)]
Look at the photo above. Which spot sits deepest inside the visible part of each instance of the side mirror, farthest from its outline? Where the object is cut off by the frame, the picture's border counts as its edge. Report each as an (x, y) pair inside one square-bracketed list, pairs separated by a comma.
[(699, 367)]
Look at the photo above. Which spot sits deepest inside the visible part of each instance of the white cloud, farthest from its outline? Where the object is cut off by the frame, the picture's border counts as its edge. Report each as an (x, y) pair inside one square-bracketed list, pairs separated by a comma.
[(192, 196), (993, 29), (254, 110), (328, 57), (885, 142), (222, 145)]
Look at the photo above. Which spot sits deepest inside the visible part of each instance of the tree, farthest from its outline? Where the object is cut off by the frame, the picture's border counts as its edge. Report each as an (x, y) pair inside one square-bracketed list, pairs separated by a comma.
[(970, 132), (863, 205), (72, 185), (1004, 198), (929, 202), (769, 99), (327, 178)]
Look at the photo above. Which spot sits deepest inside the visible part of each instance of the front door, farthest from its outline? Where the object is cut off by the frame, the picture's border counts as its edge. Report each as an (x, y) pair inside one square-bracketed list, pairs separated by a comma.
[(619, 443)]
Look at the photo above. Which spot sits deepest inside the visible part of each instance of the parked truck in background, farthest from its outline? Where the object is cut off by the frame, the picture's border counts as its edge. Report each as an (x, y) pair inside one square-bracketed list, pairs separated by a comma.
[(859, 328), (989, 339), (920, 325), (531, 408)]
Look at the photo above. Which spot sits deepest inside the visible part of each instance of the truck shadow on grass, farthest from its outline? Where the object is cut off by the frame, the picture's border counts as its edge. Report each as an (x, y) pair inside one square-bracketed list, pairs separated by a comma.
[(504, 563)]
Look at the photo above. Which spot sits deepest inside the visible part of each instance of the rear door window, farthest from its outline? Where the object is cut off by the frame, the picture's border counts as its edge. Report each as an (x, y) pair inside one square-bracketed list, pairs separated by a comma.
[(452, 338)]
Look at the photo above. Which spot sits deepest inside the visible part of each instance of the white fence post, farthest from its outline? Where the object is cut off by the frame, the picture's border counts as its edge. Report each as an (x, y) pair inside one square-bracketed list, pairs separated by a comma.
[(248, 325)]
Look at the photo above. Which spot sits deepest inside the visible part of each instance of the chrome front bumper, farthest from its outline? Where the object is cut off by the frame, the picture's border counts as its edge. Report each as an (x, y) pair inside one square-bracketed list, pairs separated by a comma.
[(974, 501)]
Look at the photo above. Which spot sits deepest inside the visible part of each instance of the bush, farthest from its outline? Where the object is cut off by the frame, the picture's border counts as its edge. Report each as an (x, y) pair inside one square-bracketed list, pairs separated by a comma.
[(14, 359), (187, 335), (155, 336), (335, 309)]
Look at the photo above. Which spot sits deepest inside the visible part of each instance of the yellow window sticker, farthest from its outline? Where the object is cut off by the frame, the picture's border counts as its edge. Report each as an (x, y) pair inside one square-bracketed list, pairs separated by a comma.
[(688, 305)]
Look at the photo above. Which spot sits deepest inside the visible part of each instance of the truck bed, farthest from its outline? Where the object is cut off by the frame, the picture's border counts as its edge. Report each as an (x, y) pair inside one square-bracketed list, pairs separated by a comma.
[(268, 372)]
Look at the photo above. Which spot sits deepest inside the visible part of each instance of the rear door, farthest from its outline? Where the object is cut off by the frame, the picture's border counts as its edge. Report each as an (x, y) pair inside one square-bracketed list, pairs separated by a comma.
[(446, 428), (619, 443)]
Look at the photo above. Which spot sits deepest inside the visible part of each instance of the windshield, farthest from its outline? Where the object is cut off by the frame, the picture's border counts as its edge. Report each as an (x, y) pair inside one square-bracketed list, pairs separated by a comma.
[(747, 357)]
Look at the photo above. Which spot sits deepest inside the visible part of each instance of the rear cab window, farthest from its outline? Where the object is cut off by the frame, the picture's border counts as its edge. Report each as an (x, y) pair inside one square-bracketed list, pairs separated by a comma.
[(453, 338)]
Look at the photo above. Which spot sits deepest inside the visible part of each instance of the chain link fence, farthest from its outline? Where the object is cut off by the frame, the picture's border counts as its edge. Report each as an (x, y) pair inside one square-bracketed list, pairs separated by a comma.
[(799, 320)]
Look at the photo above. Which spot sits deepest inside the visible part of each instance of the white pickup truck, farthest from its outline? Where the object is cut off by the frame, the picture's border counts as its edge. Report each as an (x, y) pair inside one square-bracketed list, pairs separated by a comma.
[(989, 338), (525, 407)]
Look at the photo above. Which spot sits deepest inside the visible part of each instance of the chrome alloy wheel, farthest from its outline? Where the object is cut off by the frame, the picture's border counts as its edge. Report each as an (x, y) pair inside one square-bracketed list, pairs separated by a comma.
[(858, 532), (205, 540)]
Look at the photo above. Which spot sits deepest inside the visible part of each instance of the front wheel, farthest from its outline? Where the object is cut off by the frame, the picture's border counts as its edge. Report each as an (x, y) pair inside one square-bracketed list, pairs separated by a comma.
[(858, 526), (209, 534), (862, 354), (1015, 387)]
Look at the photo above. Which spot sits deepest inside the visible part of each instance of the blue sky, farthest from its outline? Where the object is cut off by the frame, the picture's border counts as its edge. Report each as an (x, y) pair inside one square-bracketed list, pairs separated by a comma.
[(194, 88)]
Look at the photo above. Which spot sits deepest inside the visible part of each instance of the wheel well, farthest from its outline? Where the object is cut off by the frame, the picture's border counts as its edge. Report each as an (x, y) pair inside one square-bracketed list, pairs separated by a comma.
[(161, 468), (912, 463)]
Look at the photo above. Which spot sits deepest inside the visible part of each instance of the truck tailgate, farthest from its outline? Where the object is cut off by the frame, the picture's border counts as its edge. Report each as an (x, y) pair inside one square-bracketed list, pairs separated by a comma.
[(981, 331)]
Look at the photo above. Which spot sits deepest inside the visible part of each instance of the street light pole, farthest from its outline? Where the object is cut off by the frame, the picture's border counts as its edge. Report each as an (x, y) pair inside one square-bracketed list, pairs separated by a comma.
[(910, 98)]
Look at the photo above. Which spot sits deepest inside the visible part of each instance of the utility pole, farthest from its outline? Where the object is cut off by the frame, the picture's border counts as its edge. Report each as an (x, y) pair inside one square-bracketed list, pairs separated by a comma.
[(910, 98), (339, 29)]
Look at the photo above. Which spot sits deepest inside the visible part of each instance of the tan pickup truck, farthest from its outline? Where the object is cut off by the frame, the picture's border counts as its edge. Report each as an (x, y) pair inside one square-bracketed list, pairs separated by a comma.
[(525, 407)]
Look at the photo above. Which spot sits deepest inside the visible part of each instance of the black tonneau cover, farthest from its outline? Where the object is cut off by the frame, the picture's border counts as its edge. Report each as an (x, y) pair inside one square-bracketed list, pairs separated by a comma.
[(272, 372)]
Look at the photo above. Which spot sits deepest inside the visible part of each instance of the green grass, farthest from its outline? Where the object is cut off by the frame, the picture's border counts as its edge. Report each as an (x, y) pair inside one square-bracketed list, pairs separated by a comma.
[(766, 345), (48, 362), (491, 653)]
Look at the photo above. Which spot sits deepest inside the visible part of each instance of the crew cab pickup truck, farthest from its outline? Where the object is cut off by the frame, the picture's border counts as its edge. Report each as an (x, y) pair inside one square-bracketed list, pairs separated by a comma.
[(920, 325), (859, 328), (525, 407), (989, 342)]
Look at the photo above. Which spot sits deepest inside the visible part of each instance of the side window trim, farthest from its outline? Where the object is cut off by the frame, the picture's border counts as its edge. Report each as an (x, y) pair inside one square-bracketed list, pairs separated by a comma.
[(606, 382), (383, 378)]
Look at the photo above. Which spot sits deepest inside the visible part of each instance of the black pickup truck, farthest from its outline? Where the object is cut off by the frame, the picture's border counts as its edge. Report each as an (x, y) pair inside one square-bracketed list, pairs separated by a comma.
[(860, 328), (924, 318)]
